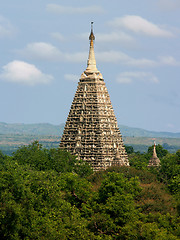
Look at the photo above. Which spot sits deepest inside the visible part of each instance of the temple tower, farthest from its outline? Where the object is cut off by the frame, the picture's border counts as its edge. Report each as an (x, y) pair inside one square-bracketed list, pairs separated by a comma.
[(91, 131), (154, 161)]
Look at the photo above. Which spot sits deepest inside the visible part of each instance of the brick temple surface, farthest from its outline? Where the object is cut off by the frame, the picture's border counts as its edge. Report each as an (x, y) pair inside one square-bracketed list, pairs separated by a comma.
[(91, 131)]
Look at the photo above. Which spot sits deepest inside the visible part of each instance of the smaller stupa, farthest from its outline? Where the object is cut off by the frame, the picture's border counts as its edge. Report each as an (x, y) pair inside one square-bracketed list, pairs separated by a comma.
[(154, 161)]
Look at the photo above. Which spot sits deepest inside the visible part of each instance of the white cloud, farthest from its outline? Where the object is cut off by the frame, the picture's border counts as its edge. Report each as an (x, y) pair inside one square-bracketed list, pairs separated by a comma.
[(116, 57), (114, 37), (129, 77), (76, 57), (169, 60), (42, 50), (112, 56), (58, 36), (48, 52), (122, 58), (6, 28), (71, 77), (60, 9), (142, 62), (111, 37), (24, 73), (140, 25)]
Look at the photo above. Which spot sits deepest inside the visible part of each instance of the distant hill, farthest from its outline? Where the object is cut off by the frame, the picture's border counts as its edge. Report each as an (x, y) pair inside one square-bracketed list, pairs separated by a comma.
[(13, 136), (139, 132), (50, 129), (31, 129)]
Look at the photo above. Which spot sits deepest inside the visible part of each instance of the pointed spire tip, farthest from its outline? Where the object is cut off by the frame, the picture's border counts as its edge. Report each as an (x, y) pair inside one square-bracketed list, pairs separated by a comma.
[(92, 37), (91, 64), (92, 26)]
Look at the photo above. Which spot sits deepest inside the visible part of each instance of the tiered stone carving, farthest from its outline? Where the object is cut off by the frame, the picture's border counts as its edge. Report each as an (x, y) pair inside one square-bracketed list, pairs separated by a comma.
[(91, 131)]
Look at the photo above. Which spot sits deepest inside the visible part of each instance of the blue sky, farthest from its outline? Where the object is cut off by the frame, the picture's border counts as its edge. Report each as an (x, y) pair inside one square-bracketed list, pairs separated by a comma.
[(44, 49)]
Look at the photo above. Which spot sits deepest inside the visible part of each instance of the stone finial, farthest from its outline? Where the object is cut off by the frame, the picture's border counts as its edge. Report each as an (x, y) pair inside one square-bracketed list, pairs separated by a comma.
[(91, 36), (91, 63)]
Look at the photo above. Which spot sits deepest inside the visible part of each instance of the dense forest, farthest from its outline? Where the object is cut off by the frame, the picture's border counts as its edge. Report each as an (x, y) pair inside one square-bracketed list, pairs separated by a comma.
[(49, 194)]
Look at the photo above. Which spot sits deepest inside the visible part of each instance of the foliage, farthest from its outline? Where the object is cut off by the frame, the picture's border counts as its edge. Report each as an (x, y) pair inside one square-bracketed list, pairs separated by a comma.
[(33, 207), (42, 159), (170, 167), (49, 194), (138, 160), (168, 173), (129, 149)]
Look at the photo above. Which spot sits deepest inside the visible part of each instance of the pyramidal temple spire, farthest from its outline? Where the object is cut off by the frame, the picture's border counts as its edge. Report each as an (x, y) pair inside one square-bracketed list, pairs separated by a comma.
[(91, 63), (91, 131)]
